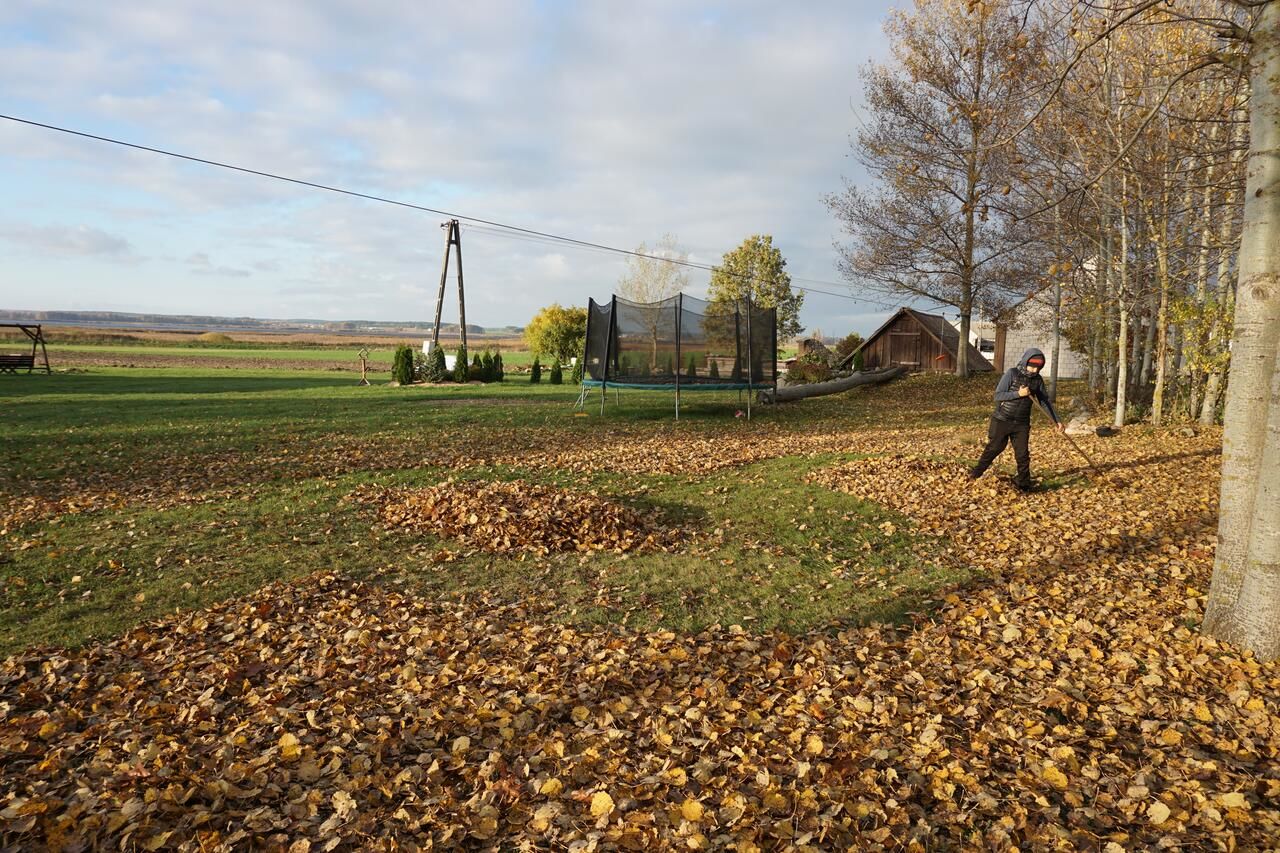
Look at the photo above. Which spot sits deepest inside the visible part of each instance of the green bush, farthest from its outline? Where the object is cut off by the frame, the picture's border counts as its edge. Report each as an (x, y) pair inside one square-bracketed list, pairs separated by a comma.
[(402, 365), (487, 373), (693, 365), (848, 344), (557, 375), (577, 372), (714, 372), (499, 372), (460, 373), (535, 373), (804, 372), (434, 370), (858, 361)]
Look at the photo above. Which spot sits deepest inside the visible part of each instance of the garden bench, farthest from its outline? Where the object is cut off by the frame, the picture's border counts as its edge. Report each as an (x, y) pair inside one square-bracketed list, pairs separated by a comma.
[(14, 363)]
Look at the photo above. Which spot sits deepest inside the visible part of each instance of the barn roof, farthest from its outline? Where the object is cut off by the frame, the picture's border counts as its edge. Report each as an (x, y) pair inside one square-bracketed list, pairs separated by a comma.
[(938, 328)]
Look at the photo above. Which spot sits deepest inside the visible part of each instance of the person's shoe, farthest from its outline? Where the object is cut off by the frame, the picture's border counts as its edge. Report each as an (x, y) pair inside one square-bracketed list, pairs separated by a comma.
[(974, 473), (1025, 485)]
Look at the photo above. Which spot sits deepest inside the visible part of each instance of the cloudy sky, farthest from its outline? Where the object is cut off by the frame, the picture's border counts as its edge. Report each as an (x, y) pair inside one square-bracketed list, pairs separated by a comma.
[(608, 122)]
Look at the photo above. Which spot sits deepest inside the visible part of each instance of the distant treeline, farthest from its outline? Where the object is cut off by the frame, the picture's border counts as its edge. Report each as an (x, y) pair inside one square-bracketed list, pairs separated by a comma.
[(194, 322)]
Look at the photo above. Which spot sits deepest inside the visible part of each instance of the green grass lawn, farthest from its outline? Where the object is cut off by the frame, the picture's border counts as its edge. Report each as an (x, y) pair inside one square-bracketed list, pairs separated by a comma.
[(213, 483)]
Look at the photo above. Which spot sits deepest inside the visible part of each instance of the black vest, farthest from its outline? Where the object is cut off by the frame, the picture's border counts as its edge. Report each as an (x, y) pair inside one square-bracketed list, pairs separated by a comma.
[(1019, 411)]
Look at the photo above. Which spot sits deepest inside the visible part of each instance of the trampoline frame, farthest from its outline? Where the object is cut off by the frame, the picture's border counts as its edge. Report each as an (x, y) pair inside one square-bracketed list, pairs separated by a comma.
[(604, 384)]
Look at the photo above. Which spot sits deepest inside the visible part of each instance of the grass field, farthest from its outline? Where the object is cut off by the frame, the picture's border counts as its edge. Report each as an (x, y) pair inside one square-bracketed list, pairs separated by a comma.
[(177, 488)]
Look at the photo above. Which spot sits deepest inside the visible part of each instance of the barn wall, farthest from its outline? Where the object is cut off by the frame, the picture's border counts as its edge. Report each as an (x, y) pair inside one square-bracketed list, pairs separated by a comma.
[(904, 342)]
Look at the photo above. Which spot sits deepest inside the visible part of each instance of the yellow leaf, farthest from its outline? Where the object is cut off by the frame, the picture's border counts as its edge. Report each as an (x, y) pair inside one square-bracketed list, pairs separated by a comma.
[(343, 804), (601, 804), (1158, 812), (1171, 737), (676, 776), (814, 745), (1234, 800), (580, 714), (1054, 777), (551, 787), (290, 747), (863, 705), (691, 809), (461, 744), (485, 828)]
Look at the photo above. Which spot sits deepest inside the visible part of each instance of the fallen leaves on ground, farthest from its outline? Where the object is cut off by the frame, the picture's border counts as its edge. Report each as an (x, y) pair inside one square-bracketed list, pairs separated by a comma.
[(337, 713), (502, 517)]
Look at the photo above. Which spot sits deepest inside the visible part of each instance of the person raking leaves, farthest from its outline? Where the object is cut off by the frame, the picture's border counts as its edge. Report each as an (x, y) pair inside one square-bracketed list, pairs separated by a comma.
[(1011, 421)]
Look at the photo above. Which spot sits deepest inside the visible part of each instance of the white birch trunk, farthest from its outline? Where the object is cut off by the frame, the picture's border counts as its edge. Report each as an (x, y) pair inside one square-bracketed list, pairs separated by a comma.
[(1244, 596)]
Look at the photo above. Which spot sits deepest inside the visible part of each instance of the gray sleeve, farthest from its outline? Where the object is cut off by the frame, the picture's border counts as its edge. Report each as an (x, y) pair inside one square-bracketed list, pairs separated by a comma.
[(1005, 390), (1044, 398)]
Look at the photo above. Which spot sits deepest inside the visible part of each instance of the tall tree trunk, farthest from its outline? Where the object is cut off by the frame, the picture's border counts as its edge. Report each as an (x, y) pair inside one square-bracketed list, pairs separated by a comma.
[(1244, 596), (1162, 332), (1202, 277), (1148, 345), (1057, 307), (1122, 366), (1224, 291), (1122, 347)]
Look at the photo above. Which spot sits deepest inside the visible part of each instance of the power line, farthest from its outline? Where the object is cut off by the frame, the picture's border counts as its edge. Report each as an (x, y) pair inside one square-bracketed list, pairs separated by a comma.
[(514, 229)]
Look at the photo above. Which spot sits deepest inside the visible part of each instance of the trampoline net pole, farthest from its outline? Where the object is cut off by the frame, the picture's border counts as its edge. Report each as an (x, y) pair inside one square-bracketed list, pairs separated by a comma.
[(679, 306), (751, 366)]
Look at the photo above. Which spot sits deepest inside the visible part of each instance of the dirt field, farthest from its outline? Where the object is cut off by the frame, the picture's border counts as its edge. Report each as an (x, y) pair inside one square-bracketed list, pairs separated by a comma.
[(78, 359), (77, 335)]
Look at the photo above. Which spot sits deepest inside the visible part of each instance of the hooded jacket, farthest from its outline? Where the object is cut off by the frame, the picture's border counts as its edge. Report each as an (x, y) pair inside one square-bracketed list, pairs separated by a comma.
[(1012, 408)]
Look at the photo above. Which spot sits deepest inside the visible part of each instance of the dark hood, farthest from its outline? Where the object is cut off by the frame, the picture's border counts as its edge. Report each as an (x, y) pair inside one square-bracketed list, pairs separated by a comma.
[(1026, 356)]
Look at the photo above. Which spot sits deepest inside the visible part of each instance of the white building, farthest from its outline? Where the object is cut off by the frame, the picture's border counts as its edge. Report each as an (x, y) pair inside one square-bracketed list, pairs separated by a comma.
[(1028, 323)]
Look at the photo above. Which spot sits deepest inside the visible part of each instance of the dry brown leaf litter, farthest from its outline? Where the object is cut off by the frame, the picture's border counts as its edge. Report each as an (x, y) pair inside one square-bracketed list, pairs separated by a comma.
[(337, 713), (1070, 704), (506, 517)]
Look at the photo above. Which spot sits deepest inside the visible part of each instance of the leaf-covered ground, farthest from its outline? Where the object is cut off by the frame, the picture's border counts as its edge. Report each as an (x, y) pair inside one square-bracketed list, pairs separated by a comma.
[(1063, 699), (518, 517)]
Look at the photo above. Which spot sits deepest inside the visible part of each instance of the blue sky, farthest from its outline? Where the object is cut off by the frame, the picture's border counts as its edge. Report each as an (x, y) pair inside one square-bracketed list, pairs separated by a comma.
[(608, 122)]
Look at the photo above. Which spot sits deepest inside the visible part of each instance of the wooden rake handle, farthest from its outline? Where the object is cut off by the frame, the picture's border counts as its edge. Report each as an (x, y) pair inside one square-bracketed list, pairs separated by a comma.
[(1069, 439)]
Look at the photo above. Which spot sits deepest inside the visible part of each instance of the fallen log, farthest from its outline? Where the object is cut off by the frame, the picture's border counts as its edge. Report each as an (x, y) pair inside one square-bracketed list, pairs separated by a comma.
[(789, 393)]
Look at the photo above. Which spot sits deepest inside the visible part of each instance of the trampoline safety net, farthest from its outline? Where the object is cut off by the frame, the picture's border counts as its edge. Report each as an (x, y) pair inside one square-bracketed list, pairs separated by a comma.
[(681, 343)]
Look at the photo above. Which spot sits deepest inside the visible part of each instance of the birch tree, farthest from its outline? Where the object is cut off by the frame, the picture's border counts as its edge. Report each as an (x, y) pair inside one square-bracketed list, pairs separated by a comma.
[(933, 226)]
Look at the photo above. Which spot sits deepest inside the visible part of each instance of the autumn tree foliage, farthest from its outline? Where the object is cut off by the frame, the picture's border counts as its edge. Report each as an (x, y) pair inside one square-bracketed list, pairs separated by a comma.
[(941, 146), (651, 275), (1142, 154), (557, 333), (757, 269)]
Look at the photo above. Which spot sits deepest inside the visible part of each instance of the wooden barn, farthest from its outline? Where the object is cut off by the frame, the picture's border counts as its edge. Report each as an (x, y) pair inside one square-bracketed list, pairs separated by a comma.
[(918, 342)]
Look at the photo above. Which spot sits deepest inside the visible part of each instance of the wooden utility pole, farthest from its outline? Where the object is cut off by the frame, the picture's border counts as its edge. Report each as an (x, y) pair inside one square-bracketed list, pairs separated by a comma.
[(453, 237)]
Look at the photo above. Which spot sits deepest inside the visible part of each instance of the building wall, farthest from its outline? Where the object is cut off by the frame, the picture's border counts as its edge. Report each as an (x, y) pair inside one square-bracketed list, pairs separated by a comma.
[(1032, 326), (906, 343)]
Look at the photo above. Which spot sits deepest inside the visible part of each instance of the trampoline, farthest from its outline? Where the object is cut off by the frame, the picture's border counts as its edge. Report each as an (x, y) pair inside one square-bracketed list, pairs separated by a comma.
[(679, 344)]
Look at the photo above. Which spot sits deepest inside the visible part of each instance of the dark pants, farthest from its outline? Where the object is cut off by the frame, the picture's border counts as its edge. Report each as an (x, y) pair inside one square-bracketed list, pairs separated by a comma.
[(999, 434)]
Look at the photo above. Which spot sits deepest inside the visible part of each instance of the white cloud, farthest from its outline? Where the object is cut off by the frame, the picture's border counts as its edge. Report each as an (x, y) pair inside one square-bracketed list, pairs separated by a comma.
[(605, 122), (52, 241)]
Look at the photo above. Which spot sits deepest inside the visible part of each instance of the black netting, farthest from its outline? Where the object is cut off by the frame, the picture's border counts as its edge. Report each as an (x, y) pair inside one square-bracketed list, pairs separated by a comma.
[(682, 341), (599, 327)]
